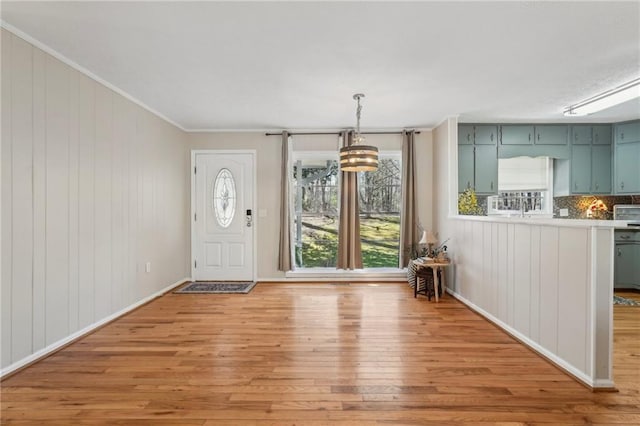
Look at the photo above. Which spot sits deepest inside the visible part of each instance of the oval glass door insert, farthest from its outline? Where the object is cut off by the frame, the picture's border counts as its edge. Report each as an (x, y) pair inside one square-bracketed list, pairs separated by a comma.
[(224, 197)]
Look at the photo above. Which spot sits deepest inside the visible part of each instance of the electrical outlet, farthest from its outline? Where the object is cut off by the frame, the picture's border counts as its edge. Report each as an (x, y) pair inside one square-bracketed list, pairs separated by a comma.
[(147, 267), (564, 212)]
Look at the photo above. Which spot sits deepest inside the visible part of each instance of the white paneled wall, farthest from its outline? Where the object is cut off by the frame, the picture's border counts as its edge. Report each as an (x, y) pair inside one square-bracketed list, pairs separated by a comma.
[(536, 281), (93, 187)]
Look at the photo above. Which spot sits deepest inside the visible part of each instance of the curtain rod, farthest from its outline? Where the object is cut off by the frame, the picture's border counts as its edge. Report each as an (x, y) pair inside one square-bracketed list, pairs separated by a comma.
[(335, 133)]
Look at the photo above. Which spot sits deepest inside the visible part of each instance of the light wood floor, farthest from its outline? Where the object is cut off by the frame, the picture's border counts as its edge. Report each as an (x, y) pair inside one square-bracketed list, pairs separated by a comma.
[(314, 354)]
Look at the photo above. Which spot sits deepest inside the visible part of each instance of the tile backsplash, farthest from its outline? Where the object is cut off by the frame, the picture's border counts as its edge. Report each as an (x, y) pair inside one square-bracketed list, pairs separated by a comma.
[(577, 205)]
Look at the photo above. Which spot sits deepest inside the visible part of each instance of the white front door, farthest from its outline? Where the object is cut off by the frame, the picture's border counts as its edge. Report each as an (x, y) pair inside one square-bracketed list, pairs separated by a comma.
[(222, 232)]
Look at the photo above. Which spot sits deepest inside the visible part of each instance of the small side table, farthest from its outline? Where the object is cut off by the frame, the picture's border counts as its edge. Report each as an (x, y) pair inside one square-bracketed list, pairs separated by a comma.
[(435, 266)]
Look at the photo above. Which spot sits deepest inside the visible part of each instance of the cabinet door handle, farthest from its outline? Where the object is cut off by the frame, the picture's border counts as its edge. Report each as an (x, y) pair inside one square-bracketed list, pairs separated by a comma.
[(529, 137), (469, 184), (625, 237), (538, 136), (595, 136), (619, 252), (622, 136), (575, 137), (491, 136), (492, 185), (597, 186), (575, 185), (621, 185)]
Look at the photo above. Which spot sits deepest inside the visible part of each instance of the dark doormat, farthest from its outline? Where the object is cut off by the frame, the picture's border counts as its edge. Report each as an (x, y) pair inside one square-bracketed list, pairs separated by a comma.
[(619, 300), (217, 287)]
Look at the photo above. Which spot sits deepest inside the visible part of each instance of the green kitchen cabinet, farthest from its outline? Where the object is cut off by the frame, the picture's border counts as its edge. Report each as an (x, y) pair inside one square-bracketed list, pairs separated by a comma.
[(581, 134), (478, 158), (465, 134), (588, 171), (486, 134), (581, 169), (465, 167), (627, 132), (602, 134), (627, 168), (586, 134), (512, 134), (627, 273), (486, 169), (601, 169), (551, 134)]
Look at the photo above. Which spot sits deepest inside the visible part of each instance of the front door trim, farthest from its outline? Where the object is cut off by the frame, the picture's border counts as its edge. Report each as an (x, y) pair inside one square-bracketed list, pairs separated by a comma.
[(254, 227)]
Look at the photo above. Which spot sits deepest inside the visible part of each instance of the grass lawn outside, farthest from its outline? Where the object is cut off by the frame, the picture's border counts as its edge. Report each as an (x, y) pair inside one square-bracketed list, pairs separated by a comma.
[(380, 235)]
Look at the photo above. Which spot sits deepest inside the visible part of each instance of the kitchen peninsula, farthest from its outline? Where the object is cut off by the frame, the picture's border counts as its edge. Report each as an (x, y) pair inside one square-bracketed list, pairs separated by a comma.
[(546, 281)]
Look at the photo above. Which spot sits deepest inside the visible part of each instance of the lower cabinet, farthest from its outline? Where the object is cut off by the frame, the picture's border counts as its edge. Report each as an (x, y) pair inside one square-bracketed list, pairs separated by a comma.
[(627, 272)]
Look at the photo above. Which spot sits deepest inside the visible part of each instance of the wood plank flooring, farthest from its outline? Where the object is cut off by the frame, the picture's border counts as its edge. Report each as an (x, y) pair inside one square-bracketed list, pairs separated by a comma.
[(314, 354)]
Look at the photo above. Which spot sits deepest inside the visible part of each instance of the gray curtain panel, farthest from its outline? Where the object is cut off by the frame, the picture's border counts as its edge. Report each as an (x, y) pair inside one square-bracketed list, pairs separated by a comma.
[(409, 227), (349, 249), (284, 251)]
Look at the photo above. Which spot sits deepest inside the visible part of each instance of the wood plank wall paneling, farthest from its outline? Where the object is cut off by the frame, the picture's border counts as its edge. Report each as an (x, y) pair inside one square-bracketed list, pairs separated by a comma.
[(534, 312), (549, 265), (22, 208), (57, 196), (534, 279), (7, 232), (83, 170), (86, 222), (573, 286), (522, 278), (39, 200)]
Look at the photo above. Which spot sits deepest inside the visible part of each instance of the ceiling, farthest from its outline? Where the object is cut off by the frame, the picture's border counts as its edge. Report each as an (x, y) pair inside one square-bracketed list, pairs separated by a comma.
[(295, 65)]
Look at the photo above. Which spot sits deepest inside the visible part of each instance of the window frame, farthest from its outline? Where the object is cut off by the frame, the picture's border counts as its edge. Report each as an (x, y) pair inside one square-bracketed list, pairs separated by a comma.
[(316, 273)]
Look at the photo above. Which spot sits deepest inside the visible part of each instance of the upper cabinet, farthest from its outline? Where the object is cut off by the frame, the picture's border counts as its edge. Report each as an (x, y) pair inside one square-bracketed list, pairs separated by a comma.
[(581, 134), (588, 158), (486, 134), (478, 158), (602, 134), (542, 134), (516, 134), (627, 157), (465, 134), (627, 132), (551, 134), (589, 169), (587, 134)]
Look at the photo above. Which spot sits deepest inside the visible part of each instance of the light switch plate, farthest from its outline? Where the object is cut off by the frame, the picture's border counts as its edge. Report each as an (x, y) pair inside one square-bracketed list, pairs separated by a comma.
[(564, 212)]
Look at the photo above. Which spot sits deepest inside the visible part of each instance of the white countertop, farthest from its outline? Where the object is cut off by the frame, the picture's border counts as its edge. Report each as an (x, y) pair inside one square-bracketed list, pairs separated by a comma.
[(576, 223)]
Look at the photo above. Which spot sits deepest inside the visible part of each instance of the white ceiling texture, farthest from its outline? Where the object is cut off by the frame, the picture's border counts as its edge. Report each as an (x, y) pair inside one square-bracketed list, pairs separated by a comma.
[(295, 65)]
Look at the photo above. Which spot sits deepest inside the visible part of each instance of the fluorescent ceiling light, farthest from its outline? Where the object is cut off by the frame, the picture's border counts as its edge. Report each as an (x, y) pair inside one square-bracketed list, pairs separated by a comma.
[(620, 94)]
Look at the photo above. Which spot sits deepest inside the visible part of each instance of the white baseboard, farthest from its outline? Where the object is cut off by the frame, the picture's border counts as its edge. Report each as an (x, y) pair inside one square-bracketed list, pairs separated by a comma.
[(564, 365), (80, 333), (323, 279)]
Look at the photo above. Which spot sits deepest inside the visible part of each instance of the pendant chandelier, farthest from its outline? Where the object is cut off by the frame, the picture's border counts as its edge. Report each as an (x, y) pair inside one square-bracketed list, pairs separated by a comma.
[(357, 157)]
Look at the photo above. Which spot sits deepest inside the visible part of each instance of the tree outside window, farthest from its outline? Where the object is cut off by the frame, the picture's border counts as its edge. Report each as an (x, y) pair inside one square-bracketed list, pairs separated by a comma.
[(316, 198)]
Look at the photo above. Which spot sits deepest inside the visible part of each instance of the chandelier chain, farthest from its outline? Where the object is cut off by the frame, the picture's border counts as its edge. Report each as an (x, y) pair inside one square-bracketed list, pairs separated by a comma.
[(357, 97)]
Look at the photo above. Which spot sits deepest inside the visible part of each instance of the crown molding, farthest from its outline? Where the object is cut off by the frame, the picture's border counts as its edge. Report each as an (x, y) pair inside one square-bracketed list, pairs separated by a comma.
[(59, 56)]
